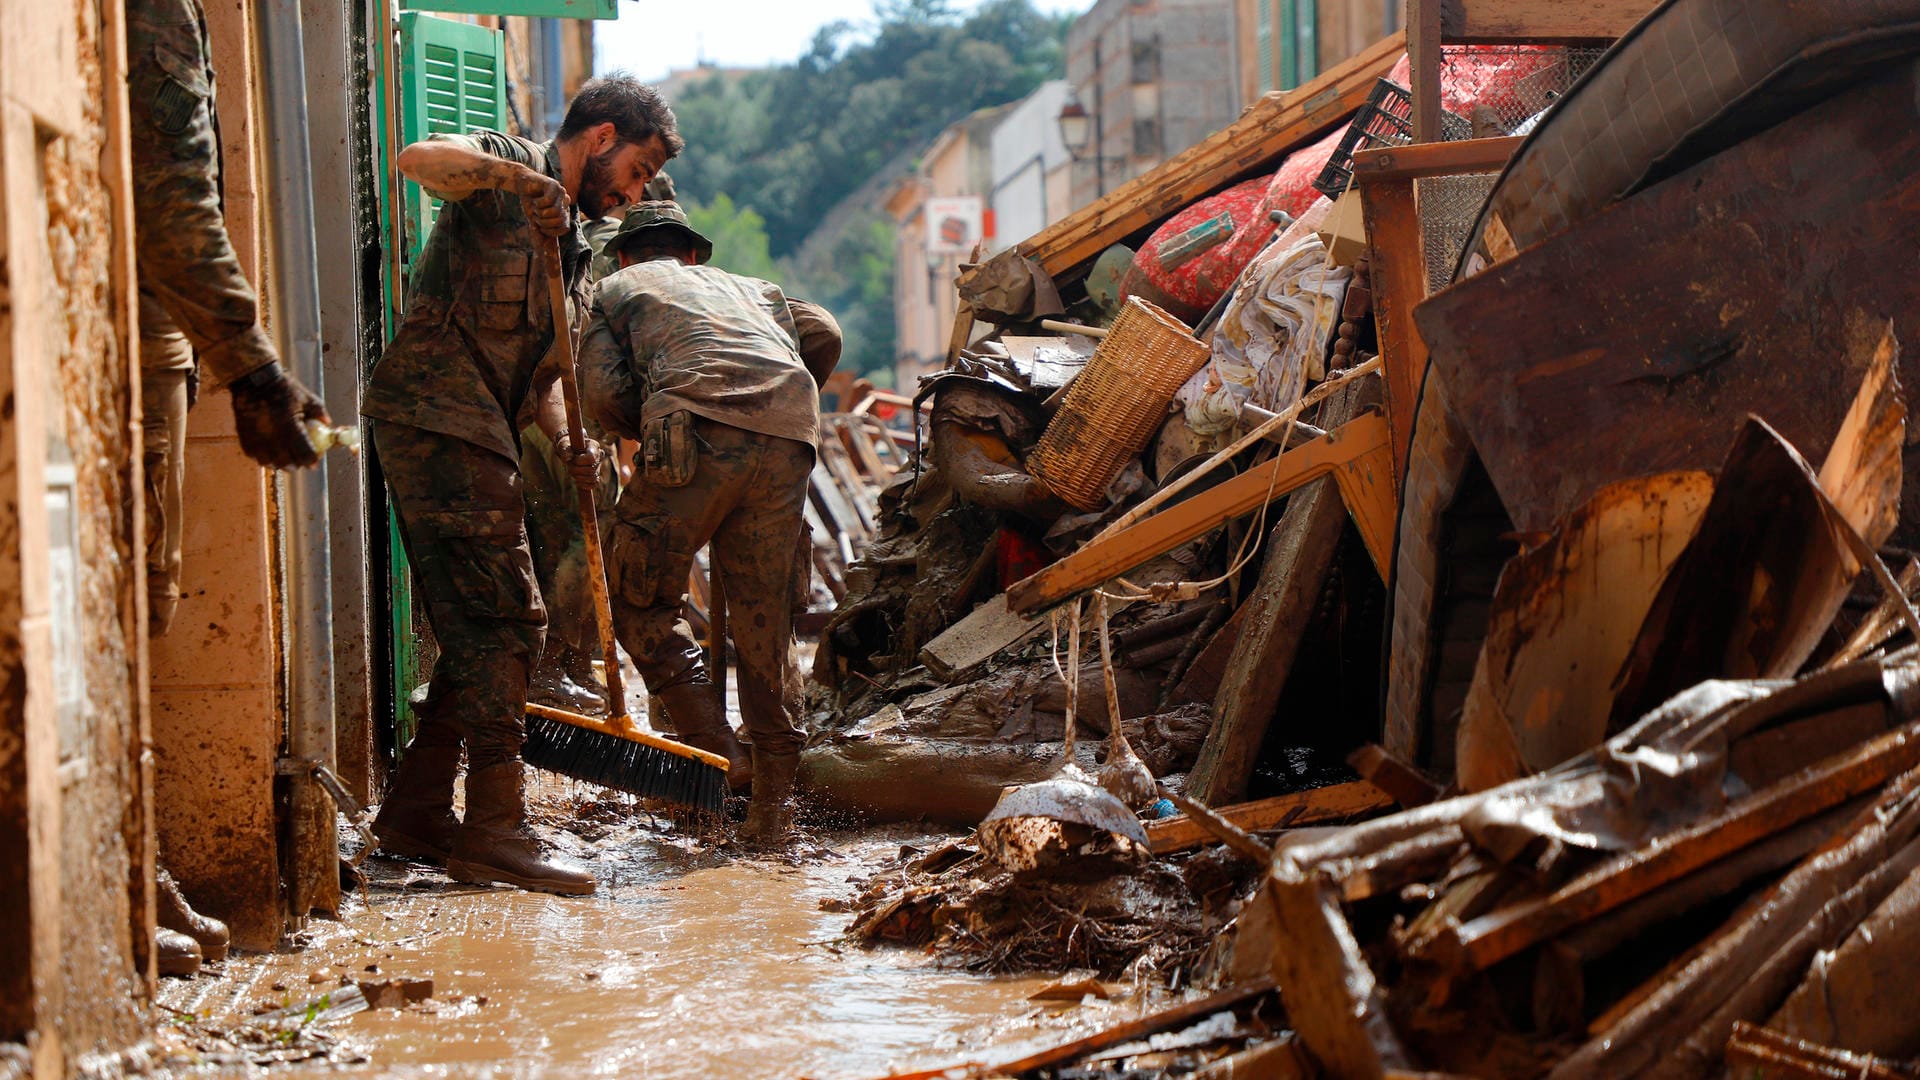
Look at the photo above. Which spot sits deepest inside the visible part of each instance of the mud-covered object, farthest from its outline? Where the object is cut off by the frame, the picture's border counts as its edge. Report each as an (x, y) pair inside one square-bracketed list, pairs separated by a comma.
[(1062, 828), (1010, 288)]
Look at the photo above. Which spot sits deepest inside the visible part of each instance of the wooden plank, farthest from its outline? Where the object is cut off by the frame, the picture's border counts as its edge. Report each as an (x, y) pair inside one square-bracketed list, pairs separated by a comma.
[(1300, 552), (1334, 1003), (1486, 22), (1689, 306), (1398, 268), (1478, 944), (1423, 49), (1433, 159), (1336, 802), (1165, 1020), (981, 633), (1367, 491), (1270, 128), (1105, 559)]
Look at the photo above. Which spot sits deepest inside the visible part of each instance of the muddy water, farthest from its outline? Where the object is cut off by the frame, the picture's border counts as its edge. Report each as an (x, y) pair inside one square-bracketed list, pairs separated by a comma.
[(687, 964)]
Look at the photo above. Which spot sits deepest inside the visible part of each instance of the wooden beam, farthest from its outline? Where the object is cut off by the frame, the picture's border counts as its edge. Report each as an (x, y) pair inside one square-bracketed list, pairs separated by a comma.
[(1476, 945), (1367, 491), (1167, 1019), (1423, 49), (1300, 552), (1433, 159), (1273, 126), (1334, 1003), (1103, 560), (1486, 22), (1336, 802), (1398, 273)]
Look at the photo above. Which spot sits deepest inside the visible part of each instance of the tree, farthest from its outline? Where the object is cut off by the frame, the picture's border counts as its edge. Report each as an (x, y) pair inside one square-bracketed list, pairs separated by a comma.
[(739, 237)]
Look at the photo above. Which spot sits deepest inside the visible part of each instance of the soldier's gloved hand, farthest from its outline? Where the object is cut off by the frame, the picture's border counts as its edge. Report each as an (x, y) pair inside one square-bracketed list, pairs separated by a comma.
[(270, 412), (584, 462), (545, 201)]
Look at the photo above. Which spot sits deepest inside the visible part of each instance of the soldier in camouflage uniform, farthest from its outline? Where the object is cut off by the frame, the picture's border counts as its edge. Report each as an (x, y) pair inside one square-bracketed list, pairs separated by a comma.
[(194, 301), (703, 368), (460, 379), (565, 675), (199, 320)]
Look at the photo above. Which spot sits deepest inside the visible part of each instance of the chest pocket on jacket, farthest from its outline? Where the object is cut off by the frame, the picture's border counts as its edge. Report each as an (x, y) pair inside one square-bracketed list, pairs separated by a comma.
[(503, 290), (183, 86)]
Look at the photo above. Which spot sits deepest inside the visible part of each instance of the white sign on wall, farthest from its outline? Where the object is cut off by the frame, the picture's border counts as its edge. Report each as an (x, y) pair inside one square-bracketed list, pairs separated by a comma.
[(953, 224)]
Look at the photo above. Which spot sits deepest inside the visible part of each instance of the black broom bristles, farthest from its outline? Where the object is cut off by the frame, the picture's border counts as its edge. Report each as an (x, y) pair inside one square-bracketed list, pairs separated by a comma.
[(612, 762)]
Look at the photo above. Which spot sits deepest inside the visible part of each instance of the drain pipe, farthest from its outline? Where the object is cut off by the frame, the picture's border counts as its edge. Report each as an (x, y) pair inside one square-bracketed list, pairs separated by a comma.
[(312, 868)]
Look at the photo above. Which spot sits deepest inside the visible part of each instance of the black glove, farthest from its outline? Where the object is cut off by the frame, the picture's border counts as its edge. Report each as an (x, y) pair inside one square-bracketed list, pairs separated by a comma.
[(270, 412)]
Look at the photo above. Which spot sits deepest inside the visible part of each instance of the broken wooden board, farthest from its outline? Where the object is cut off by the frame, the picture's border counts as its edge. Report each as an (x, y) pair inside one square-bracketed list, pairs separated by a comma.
[(1300, 552), (1107, 558), (1756, 589), (1334, 1003), (1269, 129), (1688, 306), (1564, 618), (980, 634), (1319, 806), (1482, 942)]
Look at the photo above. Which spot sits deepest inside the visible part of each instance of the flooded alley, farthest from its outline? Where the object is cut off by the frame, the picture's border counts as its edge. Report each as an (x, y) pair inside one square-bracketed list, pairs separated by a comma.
[(689, 961)]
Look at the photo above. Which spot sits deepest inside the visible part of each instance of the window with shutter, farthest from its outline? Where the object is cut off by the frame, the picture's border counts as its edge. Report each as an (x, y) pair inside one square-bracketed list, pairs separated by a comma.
[(1263, 38), (1299, 41), (540, 9), (452, 79)]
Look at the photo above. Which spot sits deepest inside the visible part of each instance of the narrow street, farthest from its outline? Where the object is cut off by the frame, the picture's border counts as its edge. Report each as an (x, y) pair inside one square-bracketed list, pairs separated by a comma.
[(685, 949)]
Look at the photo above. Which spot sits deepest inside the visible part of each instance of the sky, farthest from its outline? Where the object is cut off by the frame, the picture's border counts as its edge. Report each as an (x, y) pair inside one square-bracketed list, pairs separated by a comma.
[(652, 37)]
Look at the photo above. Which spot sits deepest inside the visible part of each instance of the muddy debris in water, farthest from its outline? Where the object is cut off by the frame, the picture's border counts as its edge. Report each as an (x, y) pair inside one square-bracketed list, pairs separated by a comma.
[(1157, 925)]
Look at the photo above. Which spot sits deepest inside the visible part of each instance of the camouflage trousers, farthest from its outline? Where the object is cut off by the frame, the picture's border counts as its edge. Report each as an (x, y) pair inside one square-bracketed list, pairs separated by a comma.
[(463, 521), (747, 499), (163, 442)]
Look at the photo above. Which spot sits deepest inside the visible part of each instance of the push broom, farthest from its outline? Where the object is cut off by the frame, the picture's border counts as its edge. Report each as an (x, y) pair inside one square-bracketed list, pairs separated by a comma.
[(610, 752)]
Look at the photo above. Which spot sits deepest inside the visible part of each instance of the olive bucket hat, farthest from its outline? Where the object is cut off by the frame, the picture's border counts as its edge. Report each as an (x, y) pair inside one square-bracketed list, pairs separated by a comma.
[(659, 215)]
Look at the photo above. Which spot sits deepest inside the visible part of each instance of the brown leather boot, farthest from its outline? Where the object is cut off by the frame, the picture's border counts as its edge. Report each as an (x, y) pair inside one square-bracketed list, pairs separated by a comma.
[(176, 953), (417, 821), (495, 845), (700, 724), (770, 813), (176, 914)]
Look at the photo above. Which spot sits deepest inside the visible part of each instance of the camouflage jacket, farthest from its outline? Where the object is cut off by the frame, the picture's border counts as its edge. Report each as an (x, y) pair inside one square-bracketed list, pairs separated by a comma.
[(478, 322), (187, 263), (666, 337)]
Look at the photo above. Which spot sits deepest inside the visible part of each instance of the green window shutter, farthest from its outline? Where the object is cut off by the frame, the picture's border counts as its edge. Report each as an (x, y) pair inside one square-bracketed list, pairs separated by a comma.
[(1263, 42), (452, 79), (542, 9), (1307, 35)]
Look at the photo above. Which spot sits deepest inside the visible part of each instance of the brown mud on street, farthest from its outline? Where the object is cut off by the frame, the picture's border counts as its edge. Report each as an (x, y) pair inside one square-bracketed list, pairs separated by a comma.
[(689, 962)]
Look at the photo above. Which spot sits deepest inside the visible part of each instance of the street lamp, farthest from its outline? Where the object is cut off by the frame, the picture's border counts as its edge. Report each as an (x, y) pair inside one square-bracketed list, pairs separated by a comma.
[(1075, 126)]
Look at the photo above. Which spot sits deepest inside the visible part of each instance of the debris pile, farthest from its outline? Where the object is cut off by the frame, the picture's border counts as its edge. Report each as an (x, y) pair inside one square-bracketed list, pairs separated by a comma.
[(1538, 483)]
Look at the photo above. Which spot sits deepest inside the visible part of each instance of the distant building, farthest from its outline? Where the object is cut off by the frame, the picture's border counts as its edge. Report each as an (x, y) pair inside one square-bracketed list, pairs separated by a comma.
[(1031, 169), (1283, 43), (1156, 76), (958, 165), (678, 80)]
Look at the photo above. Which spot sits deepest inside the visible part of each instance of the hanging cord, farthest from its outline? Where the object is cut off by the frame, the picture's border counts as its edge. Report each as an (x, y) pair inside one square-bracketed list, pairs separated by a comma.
[(1070, 676)]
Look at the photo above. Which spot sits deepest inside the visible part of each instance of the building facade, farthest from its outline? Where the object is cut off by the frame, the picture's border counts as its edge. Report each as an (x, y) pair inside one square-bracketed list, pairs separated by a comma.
[(1155, 76)]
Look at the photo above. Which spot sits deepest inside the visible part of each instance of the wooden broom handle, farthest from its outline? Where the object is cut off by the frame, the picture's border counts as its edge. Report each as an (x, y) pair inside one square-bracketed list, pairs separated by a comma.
[(589, 514)]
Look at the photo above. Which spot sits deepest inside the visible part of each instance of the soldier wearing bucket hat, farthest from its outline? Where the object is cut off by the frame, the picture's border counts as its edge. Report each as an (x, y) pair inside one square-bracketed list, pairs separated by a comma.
[(705, 369)]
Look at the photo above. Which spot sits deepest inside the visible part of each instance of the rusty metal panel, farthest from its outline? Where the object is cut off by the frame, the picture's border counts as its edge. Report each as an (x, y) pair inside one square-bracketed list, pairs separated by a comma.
[(1638, 341)]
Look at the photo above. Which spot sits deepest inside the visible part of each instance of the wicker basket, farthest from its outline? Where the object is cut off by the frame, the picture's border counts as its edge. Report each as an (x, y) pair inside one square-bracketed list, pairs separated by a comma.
[(1116, 404)]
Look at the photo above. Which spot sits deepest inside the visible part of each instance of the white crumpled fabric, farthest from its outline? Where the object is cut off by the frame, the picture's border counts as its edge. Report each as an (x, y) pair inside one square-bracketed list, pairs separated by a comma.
[(1284, 310)]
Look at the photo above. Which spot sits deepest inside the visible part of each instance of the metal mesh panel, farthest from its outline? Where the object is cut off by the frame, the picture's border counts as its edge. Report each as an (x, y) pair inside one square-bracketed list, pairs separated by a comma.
[(1449, 205)]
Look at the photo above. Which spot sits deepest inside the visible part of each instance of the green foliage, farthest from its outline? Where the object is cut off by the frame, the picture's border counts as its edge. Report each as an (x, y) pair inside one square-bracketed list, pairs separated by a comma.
[(770, 154), (739, 237)]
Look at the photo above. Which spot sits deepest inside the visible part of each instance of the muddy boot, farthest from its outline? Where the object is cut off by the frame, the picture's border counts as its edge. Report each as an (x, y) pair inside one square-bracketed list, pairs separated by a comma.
[(495, 844), (416, 821), (560, 683), (770, 813), (178, 954), (700, 724), (177, 915)]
